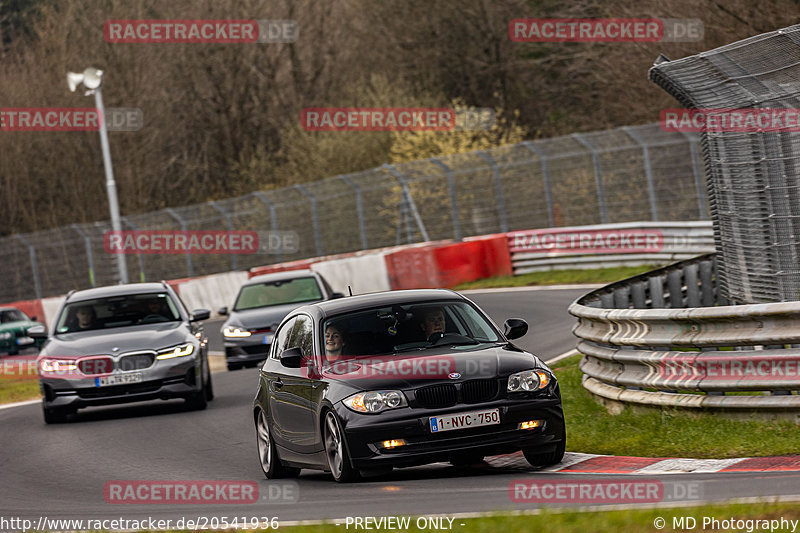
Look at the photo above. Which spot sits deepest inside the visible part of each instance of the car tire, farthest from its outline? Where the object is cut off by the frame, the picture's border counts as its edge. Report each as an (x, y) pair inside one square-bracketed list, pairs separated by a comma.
[(467, 459), (267, 455), (198, 400), (54, 415), (209, 386), (336, 450), (546, 459)]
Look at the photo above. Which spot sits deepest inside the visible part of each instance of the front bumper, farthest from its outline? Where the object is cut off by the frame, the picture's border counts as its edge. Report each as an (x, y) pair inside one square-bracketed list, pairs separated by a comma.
[(247, 350), (165, 380), (363, 432)]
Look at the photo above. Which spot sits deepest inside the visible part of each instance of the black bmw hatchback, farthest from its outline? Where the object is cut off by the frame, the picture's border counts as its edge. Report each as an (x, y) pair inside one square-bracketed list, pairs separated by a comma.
[(364, 384)]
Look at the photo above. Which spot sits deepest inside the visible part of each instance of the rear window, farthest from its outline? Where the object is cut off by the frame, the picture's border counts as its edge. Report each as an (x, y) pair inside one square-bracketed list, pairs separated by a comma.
[(117, 312), (283, 292), (11, 315)]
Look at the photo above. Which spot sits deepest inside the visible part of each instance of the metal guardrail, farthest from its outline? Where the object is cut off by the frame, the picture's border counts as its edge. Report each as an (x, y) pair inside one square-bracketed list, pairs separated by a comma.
[(678, 241), (668, 338)]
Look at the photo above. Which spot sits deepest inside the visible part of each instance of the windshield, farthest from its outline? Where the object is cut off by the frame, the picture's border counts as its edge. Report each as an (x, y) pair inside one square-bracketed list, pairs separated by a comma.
[(117, 312), (12, 315), (278, 293), (402, 328)]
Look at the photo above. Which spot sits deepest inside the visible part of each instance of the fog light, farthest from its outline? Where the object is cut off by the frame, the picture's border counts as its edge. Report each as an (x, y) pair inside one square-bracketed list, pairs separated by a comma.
[(394, 443), (530, 424)]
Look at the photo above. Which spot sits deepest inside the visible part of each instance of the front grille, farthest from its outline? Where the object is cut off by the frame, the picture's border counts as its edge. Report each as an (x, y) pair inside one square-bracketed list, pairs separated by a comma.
[(437, 396), (137, 361), (96, 365), (118, 390), (479, 390)]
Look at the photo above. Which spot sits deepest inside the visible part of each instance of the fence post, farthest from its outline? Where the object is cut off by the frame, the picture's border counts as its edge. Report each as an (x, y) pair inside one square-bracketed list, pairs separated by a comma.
[(273, 216), (176, 216), (501, 202), (548, 194), (37, 286), (89, 254), (229, 224), (142, 274), (598, 176), (359, 210), (408, 199), (648, 171), (314, 217), (451, 186), (698, 175)]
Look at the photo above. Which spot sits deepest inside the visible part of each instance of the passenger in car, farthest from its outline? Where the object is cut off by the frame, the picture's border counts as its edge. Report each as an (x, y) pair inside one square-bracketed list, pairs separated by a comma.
[(432, 321)]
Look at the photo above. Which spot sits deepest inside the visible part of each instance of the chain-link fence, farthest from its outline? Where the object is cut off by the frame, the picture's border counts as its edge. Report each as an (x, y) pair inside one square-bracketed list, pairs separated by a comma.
[(628, 174), (754, 178)]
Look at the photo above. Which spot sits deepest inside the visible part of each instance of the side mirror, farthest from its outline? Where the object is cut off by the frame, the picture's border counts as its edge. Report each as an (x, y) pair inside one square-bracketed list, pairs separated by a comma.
[(292, 358), (223, 311), (34, 318), (336, 295), (514, 328), (37, 332), (200, 314)]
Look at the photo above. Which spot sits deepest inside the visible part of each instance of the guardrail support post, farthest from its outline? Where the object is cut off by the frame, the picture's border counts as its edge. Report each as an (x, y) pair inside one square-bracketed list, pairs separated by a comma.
[(142, 274), (675, 286), (548, 194), (501, 202), (37, 286), (409, 201), (176, 216), (451, 186), (598, 176), (314, 217), (89, 255), (359, 210)]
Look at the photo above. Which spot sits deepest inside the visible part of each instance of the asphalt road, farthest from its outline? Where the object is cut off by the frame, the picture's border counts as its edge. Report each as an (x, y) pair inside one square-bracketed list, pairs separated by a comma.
[(60, 471)]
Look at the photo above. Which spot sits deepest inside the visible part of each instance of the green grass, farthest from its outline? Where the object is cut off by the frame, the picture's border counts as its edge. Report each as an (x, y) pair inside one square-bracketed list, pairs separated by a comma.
[(664, 432), (629, 521), (18, 390), (557, 277)]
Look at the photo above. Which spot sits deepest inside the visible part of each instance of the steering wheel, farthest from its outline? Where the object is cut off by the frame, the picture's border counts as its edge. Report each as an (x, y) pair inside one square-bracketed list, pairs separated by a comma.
[(435, 337), (153, 318)]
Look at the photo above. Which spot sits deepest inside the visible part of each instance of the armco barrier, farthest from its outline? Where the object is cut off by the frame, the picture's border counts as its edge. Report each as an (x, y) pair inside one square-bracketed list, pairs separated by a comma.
[(607, 245), (650, 336)]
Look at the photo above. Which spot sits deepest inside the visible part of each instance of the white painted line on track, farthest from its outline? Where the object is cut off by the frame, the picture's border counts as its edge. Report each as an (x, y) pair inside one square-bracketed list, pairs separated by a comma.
[(19, 404), (564, 355), (587, 286)]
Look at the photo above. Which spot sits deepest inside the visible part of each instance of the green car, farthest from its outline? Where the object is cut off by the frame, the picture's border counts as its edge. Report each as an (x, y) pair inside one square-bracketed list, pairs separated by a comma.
[(14, 325)]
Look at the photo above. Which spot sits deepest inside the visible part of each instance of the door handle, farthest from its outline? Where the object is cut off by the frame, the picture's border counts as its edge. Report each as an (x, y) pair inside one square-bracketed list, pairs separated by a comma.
[(278, 383)]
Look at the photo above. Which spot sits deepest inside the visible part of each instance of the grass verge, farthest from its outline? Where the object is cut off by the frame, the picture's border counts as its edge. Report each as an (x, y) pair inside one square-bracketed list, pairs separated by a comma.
[(664, 433), (629, 521), (557, 277), (18, 390)]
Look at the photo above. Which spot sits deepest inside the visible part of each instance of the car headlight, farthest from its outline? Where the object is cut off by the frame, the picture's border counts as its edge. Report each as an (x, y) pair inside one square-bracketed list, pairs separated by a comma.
[(375, 401), (235, 332), (176, 351), (5, 335), (528, 381), (57, 365)]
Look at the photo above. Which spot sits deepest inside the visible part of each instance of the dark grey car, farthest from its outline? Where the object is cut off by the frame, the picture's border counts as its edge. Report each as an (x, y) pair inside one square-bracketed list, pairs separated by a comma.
[(261, 304), (120, 344)]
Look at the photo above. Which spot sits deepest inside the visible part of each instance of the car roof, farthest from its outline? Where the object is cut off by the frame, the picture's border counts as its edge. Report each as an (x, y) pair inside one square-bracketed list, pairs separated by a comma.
[(376, 299), (9, 309), (115, 290), (280, 276)]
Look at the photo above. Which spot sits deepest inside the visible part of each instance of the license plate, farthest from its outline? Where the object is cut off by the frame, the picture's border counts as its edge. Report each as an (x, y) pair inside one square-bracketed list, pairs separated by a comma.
[(267, 339), (118, 379), (465, 420), (24, 340)]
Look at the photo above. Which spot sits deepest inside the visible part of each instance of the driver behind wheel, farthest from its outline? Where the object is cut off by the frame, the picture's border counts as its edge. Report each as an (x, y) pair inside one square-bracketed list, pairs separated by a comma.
[(154, 309), (432, 321)]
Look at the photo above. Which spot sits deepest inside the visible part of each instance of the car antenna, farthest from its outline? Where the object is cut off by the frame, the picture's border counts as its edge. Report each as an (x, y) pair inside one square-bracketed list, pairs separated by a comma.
[(350, 290)]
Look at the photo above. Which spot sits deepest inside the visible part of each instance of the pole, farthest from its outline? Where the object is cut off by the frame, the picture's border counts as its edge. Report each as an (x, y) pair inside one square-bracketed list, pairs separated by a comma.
[(111, 186)]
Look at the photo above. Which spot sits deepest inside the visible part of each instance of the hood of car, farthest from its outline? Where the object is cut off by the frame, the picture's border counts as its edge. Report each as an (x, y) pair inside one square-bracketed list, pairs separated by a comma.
[(18, 325), (96, 342), (436, 365), (261, 317)]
